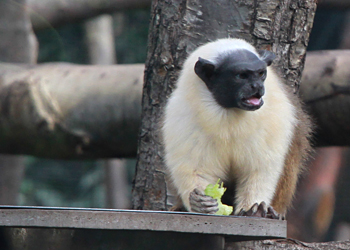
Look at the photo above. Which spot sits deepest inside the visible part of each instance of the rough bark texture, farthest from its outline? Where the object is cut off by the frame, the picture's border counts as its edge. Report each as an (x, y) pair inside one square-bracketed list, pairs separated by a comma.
[(326, 91), (70, 111), (286, 244), (177, 28), (48, 13)]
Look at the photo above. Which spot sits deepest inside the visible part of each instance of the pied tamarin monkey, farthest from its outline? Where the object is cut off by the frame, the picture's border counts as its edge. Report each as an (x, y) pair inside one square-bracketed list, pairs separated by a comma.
[(231, 117)]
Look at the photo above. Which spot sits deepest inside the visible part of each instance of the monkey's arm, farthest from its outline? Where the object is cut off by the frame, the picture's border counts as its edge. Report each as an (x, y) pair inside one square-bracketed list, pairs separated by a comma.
[(190, 184)]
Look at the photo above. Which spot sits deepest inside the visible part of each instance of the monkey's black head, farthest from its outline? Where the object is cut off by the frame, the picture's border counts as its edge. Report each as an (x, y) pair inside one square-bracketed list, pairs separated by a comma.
[(237, 78)]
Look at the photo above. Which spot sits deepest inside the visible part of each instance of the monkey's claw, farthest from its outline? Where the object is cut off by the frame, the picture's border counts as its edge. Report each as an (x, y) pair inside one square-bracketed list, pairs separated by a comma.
[(261, 210), (202, 203)]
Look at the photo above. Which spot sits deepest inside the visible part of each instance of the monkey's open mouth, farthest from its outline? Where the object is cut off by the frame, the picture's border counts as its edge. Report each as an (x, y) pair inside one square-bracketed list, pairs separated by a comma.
[(254, 100)]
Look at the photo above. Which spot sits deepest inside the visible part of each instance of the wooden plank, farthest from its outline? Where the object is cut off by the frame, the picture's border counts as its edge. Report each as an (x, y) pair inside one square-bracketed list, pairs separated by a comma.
[(116, 219)]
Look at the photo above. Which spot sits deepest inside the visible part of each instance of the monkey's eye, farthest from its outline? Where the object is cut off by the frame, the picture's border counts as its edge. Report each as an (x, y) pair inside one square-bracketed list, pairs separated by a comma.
[(243, 76), (262, 73)]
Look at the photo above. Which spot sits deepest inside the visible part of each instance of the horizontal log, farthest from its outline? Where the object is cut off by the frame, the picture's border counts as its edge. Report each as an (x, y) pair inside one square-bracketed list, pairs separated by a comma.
[(52, 13), (48, 13), (76, 111), (70, 111), (325, 89)]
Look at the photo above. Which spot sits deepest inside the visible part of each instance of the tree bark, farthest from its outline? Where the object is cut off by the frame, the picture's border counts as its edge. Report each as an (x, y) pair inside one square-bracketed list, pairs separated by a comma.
[(326, 91), (286, 244), (69, 111), (177, 28), (48, 13)]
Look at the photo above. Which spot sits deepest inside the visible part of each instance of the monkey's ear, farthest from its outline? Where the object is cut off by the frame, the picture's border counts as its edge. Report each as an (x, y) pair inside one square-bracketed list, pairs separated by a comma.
[(204, 69), (267, 56)]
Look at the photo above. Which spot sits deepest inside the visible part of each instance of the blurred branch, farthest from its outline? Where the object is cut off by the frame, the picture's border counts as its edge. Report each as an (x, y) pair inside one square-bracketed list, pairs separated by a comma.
[(116, 184), (70, 111), (325, 89), (100, 40), (47, 13)]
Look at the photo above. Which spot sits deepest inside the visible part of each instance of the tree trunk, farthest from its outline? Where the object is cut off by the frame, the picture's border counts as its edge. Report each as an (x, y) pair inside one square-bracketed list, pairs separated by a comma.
[(101, 46), (177, 28), (116, 184), (100, 40), (11, 173), (17, 44)]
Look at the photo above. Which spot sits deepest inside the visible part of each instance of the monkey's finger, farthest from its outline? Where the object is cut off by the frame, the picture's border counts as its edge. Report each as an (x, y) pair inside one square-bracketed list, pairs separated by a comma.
[(196, 195), (198, 191), (262, 210), (197, 201), (241, 212), (272, 214), (205, 210), (200, 208), (252, 211)]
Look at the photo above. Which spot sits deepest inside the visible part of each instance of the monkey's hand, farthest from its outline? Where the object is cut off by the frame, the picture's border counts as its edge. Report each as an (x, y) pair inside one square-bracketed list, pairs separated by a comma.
[(201, 203), (261, 211)]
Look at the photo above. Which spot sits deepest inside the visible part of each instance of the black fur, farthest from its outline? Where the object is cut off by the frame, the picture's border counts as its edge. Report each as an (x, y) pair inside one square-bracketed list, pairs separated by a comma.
[(236, 77)]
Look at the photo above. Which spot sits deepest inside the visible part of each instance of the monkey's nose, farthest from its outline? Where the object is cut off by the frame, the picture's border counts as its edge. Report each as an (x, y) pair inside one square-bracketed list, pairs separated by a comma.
[(256, 86)]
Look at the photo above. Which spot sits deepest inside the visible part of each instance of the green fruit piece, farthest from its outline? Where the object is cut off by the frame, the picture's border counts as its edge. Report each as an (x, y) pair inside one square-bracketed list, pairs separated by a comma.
[(216, 191)]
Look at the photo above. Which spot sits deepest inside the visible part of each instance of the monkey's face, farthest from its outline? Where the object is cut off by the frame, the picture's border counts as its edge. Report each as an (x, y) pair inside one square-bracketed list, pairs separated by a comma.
[(237, 78)]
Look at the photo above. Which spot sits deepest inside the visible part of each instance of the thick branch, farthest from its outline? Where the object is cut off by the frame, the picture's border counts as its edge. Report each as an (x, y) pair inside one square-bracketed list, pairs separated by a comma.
[(326, 91), (47, 13), (70, 111)]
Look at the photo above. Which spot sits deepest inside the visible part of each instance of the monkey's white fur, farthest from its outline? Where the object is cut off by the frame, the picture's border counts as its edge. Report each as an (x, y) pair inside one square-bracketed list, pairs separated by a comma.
[(205, 142)]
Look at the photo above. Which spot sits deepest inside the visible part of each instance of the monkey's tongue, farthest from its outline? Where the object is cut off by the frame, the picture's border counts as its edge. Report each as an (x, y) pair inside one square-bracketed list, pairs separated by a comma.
[(253, 100)]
